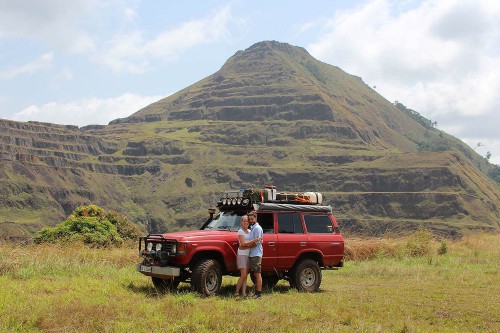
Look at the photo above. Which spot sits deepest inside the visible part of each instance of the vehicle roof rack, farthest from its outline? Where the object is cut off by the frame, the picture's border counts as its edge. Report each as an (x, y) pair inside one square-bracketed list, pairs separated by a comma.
[(267, 206)]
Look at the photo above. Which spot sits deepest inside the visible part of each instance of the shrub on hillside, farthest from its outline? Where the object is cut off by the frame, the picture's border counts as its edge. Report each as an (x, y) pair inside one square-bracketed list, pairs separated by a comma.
[(90, 225)]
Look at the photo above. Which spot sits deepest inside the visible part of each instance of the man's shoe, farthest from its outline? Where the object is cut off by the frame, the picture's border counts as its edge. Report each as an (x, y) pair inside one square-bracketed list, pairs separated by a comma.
[(258, 296)]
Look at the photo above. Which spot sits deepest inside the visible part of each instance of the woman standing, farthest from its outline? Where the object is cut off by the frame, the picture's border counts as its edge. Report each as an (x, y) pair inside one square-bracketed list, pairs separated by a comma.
[(243, 252)]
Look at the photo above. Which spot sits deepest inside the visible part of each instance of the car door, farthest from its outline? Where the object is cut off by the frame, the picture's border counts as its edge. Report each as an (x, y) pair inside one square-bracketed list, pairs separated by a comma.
[(322, 235), (291, 238), (269, 258)]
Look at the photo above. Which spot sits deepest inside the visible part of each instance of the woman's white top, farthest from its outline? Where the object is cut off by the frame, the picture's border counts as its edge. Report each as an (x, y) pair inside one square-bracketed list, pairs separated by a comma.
[(246, 237)]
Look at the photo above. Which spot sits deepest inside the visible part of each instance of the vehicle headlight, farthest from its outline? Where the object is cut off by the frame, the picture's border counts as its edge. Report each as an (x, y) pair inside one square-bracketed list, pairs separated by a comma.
[(150, 247), (238, 201), (158, 247), (173, 250)]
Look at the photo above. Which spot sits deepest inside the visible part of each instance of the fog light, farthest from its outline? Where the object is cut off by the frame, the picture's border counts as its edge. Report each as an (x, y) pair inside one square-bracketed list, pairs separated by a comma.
[(238, 201)]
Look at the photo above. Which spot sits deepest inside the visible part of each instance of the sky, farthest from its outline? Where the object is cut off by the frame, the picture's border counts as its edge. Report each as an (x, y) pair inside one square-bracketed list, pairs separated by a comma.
[(84, 62)]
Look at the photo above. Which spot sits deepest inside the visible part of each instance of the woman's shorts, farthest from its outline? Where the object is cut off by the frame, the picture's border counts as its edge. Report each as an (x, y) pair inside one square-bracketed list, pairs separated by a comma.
[(242, 261)]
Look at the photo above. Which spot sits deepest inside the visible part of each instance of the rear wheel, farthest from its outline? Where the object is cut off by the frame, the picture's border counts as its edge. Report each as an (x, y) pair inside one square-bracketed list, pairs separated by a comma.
[(207, 277), (306, 276), (165, 285)]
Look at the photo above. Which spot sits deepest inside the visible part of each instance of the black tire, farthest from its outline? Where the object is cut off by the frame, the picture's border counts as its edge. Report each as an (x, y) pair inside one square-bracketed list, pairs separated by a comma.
[(165, 285), (306, 276), (207, 277)]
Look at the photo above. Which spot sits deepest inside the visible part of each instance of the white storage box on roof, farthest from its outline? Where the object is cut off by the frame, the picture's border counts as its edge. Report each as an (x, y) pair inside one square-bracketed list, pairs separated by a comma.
[(315, 197)]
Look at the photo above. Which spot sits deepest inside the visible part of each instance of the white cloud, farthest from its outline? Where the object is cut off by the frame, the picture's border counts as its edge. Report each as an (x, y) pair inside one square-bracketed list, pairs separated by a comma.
[(131, 52), (441, 58), (56, 22), (43, 62), (64, 74), (86, 111), (129, 14)]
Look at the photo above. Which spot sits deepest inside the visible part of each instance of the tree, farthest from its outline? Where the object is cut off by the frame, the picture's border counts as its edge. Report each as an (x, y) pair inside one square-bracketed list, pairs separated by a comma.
[(427, 123), (488, 155)]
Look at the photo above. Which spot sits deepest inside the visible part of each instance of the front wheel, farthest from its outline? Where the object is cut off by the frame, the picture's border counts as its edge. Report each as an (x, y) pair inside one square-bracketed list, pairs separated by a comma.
[(165, 285), (207, 277), (306, 276)]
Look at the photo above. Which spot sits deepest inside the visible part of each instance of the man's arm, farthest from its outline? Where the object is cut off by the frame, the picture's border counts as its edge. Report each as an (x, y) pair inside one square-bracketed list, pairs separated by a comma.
[(248, 246)]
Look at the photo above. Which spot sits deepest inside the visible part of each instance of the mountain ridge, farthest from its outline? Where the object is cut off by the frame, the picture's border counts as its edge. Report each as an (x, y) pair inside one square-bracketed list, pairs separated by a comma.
[(281, 88)]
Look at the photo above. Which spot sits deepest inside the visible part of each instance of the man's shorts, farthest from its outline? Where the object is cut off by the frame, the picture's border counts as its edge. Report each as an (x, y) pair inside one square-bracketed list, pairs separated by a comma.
[(255, 263)]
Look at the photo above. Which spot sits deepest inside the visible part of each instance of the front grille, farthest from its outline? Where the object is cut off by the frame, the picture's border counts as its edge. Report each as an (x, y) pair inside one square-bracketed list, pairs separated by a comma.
[(167, 247), (157, 253), (156, 250)]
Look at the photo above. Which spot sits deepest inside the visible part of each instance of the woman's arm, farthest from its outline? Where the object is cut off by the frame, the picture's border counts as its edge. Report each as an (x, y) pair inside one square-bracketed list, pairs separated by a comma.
[(246, 245)]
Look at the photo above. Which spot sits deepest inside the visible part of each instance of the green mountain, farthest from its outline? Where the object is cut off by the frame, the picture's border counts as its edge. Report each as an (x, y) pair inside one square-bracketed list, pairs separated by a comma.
[(271, 115)]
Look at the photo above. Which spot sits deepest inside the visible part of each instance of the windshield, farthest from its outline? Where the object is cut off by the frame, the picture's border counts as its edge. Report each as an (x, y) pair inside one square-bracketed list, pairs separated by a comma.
[(227, 220)]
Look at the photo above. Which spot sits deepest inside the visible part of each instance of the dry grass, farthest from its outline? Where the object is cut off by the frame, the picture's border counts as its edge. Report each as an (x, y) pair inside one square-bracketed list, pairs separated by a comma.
[(418, 244), (386, 286)]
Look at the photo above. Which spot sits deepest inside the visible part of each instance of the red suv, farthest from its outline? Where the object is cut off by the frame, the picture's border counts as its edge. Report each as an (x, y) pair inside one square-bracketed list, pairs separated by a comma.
[(301, 238)]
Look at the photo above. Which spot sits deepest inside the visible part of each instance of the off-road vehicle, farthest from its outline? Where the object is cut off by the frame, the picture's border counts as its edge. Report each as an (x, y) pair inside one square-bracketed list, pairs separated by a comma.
[(301, 238)]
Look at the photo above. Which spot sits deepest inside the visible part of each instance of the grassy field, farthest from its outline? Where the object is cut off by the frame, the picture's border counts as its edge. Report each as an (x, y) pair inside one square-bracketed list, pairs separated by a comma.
[(389, 285)]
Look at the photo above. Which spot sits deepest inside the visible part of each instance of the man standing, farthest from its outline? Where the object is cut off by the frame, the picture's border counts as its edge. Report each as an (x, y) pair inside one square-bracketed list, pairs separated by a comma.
[(256, 253)]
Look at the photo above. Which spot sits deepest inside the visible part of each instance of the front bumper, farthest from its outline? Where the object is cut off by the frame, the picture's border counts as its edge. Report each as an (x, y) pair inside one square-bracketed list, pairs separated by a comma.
[(157, 271)]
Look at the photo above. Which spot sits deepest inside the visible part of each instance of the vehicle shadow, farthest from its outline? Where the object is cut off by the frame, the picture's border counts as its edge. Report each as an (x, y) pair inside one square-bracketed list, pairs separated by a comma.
[(148, 290), (226, 291)]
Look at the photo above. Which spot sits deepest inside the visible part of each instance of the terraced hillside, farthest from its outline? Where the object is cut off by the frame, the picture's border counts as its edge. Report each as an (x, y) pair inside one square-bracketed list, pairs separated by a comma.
[(271, 115)]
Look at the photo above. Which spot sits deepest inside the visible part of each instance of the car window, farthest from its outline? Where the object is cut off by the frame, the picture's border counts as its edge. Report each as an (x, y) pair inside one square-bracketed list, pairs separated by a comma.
[(289, 223), (226, 220), (318, 224), (266, 222)]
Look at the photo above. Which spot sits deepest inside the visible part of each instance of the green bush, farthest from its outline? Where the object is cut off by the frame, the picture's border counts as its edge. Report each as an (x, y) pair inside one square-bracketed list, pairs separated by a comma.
[(125, 228), (419, 244), (443, 248), (90, 225)]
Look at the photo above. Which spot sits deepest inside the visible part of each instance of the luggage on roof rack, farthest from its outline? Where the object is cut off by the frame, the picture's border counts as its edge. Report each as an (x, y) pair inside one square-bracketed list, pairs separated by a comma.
[(268, 194)]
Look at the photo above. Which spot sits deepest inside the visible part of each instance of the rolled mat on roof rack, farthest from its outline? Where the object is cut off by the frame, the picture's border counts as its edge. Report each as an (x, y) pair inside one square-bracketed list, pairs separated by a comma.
[(289, 207)]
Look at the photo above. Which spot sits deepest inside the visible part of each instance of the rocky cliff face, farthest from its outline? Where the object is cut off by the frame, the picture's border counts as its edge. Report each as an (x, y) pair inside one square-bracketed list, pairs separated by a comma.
[(271, 115)]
